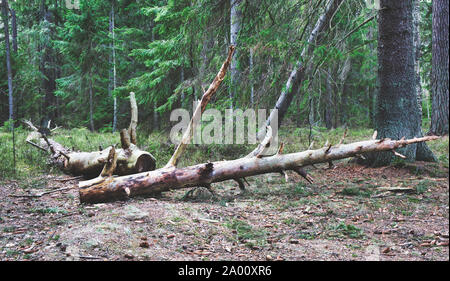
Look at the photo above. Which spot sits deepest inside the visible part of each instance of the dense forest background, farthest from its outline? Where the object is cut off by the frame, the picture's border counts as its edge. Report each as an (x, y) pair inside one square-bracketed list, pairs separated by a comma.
[(73, 64), (345, 75)]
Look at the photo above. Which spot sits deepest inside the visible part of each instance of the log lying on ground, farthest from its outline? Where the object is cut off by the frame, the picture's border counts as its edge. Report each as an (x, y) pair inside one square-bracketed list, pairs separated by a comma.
[(168, 178), (107, 188), (129, 159)]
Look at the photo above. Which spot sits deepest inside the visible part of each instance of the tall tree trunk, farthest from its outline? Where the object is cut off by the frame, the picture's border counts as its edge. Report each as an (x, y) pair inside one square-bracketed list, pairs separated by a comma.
[(344, 88), (183, 96), (48, 67), (329, 106), (155, 117), (252, 88), (235, 28), (91, 104), (417, 53), (397, 113), (111, 26), (14, 30), (439, 69), (8, 59)]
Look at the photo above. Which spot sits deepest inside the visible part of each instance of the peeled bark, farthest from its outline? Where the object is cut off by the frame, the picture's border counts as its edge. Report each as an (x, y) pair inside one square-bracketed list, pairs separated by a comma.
[(129, 159), (169, 178)]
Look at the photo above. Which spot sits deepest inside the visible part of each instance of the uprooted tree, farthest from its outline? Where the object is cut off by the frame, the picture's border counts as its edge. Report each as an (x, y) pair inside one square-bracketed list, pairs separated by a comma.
[(128, 159), (106, 188)]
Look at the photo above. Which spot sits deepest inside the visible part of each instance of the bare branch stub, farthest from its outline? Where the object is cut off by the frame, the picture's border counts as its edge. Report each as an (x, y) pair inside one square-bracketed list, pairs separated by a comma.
[(125, 139), (301, 172), (240, 183), (110, 164), (134, 119), (343, 137), (262, 147)]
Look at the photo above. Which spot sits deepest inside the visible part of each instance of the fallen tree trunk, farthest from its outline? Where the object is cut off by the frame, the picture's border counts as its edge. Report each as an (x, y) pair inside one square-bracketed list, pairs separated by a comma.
[(168, 178), (106, 188), (128, 160)]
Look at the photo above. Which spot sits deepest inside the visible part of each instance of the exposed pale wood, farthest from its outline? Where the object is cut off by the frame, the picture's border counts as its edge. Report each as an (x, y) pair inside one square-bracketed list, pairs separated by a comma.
[(134, 119), (41, 193), (396, 189), (169, 178), (263, 146), (200, 109), (128, 160)]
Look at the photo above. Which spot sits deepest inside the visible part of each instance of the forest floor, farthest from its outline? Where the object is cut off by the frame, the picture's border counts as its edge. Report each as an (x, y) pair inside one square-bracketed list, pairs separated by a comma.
[(346, 214)]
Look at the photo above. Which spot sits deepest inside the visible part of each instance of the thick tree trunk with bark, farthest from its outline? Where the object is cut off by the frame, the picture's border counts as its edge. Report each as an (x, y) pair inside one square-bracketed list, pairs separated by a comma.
[(439, 71), (417, 53), (397, 113)]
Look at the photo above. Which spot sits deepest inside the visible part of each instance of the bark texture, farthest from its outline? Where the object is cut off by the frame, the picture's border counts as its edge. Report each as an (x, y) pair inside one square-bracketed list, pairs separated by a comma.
[(439, 72), (397, 113), (14, 30), (169, 178), (417, 53), (128, 160)]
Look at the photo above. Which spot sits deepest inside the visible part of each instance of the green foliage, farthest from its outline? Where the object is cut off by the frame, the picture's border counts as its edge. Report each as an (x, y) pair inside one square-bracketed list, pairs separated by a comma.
[(49, 210), (356, 191), (168, 49), (349, 230), (246, 233)]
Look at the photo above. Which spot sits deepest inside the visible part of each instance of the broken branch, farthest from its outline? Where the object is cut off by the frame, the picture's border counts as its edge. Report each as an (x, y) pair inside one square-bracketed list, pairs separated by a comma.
[(200, 109)]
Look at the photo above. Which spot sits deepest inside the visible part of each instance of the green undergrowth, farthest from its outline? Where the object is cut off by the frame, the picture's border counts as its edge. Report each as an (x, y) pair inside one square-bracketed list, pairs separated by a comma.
[(31, 161)]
